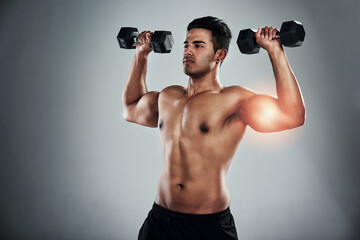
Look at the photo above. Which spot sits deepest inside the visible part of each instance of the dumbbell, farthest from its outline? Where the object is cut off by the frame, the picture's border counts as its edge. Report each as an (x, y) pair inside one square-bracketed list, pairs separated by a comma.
[(161, 41), (292, 34)]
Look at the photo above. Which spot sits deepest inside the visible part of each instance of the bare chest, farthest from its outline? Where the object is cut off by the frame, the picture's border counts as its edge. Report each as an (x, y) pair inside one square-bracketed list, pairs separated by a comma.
[(184, 116)]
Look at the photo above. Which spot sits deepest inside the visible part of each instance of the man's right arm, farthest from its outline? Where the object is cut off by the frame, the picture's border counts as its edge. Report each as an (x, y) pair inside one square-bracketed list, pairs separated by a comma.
[(139, 105)]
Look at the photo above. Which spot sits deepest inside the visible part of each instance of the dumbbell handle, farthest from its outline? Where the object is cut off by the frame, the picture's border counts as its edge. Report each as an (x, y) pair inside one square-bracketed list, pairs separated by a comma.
[(277, 36), (136, 40)]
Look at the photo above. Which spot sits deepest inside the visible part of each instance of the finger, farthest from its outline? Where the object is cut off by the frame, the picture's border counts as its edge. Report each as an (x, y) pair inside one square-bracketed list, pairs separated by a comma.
[(143, 37), (271, 33), (262, 34), (148, 36), (258, 33), (276, 32), (266, 32), (140, 36)]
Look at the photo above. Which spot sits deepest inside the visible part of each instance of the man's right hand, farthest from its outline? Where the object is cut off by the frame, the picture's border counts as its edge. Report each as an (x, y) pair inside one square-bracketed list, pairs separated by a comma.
[(143, 48)]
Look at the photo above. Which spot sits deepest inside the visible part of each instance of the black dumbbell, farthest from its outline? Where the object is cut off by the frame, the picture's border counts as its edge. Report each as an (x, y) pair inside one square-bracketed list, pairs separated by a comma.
[(292, 34), (161, 41)]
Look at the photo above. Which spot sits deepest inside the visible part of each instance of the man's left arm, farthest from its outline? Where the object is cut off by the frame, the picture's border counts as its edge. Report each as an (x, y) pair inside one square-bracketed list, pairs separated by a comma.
[(269, 114)]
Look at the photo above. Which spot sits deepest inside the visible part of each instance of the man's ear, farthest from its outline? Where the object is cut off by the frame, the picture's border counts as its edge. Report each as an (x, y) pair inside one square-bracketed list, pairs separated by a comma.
[(221, 55)]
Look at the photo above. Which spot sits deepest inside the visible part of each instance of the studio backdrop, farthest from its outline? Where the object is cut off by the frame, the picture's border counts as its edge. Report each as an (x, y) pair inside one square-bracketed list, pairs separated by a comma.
[(72, 168)]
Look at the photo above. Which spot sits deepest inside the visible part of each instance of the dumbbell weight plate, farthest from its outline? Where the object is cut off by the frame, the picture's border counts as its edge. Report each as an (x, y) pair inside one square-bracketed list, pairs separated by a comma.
[(247, 42), (292, 34), (127, 37), (162, 41)]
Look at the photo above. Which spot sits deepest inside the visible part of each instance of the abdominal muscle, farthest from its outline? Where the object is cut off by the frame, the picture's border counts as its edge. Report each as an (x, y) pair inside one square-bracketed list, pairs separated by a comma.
[(194, 186)]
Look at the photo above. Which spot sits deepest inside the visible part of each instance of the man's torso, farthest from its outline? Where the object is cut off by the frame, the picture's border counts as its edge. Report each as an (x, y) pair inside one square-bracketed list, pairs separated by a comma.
[(199, 135)]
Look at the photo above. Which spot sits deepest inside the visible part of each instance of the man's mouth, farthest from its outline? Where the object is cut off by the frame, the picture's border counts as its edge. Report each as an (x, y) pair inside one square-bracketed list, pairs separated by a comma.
[(188, 61)]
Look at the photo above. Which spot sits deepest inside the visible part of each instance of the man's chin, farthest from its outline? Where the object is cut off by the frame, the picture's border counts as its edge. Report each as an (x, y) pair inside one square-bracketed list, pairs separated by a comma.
[(187, 72)]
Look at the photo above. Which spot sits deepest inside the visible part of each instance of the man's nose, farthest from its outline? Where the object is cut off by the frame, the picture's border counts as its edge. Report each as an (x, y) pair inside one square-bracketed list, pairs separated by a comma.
[(188, 51)]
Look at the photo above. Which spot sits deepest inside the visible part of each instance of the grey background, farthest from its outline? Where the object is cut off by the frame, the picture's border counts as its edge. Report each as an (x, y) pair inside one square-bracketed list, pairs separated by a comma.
[(72, 168)]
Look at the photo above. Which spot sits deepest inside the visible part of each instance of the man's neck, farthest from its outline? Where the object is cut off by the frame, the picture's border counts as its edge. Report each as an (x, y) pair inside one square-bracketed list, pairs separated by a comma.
[(208, 82)]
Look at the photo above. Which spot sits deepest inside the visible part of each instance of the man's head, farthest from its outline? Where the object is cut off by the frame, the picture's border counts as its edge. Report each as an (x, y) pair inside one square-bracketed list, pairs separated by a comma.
[(206, 45), (221, 34)]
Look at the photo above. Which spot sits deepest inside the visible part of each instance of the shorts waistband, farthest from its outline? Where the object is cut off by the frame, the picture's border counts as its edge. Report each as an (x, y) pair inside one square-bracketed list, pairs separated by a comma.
[(170, 213)]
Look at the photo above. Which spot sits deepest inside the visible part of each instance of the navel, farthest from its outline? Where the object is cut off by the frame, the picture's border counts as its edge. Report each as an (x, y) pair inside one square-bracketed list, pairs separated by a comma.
[(204, 128)]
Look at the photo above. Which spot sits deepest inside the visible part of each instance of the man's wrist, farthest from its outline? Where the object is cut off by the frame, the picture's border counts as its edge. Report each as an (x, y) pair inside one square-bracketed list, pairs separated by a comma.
[(275, 51), (141, 57)]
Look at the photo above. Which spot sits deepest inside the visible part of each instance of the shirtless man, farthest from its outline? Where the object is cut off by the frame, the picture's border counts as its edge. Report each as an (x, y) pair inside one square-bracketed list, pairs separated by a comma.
[(201, 126)]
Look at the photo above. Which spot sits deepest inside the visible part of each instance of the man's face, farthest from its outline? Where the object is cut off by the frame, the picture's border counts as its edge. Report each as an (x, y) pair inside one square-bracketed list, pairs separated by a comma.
[(199, 55)]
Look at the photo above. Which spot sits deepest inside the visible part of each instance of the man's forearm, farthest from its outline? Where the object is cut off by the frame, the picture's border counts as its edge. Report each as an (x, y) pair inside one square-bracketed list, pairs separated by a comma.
[(135, 86), (288, 91)]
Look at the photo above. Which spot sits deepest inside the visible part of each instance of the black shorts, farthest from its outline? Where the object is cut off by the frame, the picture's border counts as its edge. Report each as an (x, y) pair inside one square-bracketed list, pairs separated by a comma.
[(164, 224)]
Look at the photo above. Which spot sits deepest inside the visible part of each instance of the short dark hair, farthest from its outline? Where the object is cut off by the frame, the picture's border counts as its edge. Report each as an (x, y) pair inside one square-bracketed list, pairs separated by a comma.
[(221, 34)]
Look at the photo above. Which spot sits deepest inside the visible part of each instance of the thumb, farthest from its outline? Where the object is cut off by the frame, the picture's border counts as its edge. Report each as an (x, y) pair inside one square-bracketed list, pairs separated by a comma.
[(258, 33)]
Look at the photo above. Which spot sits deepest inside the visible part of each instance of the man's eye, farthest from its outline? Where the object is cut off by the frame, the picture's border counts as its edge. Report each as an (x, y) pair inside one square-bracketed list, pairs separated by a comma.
[(186, 46)]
